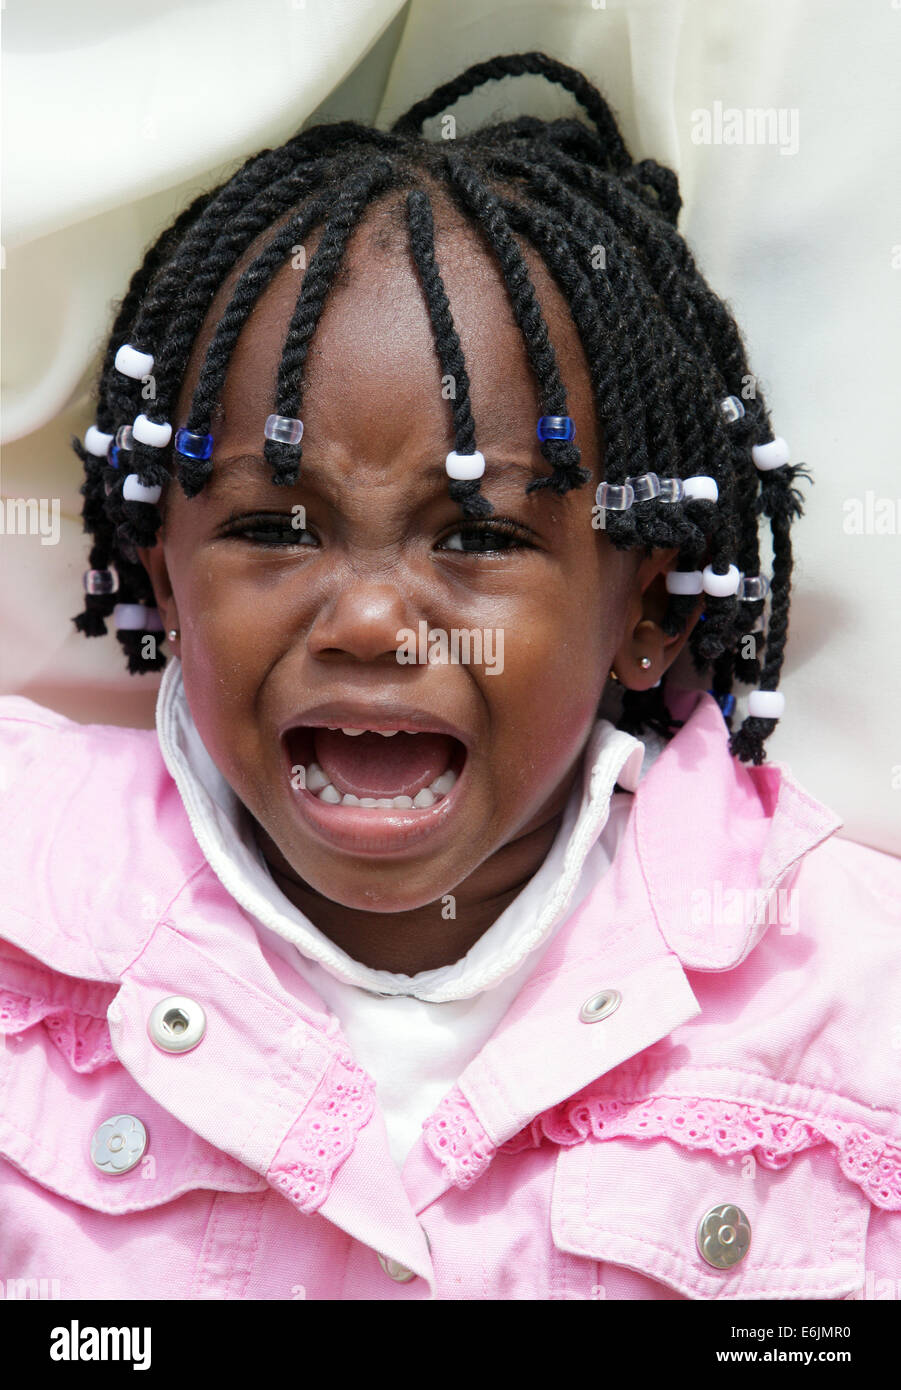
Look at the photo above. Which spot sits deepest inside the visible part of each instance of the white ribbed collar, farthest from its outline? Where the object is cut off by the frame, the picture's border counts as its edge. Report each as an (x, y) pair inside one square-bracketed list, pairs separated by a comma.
[(223, 829)]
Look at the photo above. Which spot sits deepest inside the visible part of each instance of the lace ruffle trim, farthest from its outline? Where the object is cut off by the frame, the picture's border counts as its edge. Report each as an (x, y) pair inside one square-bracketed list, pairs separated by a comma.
[(457, 1139), (83, 1039), (322, 1137)]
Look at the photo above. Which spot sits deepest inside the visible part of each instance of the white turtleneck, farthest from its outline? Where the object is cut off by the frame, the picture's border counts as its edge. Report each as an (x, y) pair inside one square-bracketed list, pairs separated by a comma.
[(414, 1034)]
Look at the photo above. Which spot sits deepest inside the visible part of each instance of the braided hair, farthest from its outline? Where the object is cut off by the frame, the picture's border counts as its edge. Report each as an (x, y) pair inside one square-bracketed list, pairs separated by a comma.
[(663, 352)]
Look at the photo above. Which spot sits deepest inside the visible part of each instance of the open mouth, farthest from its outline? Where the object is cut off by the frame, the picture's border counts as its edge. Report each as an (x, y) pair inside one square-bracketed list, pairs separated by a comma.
[(376, 770)]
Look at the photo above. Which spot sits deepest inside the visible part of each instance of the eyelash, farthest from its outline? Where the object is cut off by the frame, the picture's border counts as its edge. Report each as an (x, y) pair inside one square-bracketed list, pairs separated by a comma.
[(503, 526)]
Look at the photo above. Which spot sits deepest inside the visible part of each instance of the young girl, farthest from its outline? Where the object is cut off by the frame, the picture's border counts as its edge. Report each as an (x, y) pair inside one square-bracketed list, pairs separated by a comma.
[(386, 968)]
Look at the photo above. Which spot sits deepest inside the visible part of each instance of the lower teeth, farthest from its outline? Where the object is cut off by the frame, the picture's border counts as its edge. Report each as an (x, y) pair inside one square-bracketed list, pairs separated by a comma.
[(316, 782)]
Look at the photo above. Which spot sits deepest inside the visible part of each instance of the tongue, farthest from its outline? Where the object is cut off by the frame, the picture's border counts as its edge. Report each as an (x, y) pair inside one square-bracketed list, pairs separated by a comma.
[(372, 765)]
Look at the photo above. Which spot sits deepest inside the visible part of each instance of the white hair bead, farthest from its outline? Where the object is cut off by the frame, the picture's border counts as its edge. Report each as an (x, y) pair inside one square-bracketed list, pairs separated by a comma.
[(135, 491), (721, 585), (766, 704), (132, 363), (135, 617), (96, 442), (465, 467), (700, 488), (771, 455), (147, 432), (685, 582)]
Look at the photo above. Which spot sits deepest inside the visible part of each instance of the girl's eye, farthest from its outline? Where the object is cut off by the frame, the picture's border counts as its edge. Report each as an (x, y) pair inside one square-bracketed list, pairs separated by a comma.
[(269, 530), (486, 537)]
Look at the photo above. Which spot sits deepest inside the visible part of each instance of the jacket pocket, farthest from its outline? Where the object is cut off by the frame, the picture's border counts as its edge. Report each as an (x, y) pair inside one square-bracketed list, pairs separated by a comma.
[(60, 1085), (641, 1203)]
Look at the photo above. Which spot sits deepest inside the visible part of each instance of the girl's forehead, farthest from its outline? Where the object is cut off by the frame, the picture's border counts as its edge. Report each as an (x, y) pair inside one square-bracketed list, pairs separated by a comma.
[(372, 360)]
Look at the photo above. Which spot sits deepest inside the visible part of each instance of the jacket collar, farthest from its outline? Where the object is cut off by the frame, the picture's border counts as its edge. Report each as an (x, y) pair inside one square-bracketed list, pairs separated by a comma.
[(224, 833)]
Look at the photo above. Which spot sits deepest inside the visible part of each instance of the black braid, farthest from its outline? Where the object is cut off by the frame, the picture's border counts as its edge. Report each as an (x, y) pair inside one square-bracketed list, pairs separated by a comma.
[(447, 346), (663, 351)]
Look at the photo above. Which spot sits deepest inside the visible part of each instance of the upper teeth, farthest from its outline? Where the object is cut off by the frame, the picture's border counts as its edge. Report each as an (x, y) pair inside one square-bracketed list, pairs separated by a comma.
[(352, 733)]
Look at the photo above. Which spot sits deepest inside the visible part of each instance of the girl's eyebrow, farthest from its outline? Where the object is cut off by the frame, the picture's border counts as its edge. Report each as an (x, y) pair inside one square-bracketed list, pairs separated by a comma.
[(229, 473)]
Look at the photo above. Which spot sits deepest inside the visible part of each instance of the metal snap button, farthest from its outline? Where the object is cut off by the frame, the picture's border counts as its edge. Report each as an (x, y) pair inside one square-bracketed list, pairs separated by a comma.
[(724, 1236), (118, 1144), (396, 1270), (176, 1024), (600, 1005)]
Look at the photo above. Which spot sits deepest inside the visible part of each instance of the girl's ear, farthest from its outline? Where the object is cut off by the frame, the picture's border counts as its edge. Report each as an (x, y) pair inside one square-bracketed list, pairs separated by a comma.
[(646, 651), (154, 561)]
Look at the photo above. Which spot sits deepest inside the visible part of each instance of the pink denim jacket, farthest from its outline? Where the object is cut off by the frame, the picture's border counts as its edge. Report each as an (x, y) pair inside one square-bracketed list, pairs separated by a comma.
[(745, 1054)]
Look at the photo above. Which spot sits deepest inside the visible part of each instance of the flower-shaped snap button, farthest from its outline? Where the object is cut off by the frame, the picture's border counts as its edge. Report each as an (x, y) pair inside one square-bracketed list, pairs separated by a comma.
[(724, 1236), (118, 1144), (396, 1270)]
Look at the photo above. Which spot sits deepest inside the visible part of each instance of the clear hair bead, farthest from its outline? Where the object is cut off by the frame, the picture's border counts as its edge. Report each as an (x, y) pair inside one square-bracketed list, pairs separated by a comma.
[(615, 498), (671, 490), (283, 429), (645, 487), (732, 409), (101, 581), (753, 587), (125, 437)]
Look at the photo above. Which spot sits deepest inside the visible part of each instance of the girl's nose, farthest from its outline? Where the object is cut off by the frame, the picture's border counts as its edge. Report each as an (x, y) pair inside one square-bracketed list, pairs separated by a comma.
[(363, 621)]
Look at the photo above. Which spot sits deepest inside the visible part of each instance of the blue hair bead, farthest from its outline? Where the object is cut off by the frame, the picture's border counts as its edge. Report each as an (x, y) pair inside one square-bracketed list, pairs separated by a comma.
[(193, 446), (112, 455), (556, 427), (725, 702)]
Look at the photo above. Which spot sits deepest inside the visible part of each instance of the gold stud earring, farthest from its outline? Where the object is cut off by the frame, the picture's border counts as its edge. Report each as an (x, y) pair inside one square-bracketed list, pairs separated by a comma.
[(614, 676)]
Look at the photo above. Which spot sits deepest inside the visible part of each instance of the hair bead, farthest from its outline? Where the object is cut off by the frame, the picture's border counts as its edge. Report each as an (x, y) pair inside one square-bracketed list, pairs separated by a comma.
[(766, 704), (556, 427), (645, 486), (753, 587), (193, 446), (124, 437), (131, 362), (700, 488), (770, 455), (149, 432), (101, 581), (721, 585), (725, 702), (136, 617), (671, 490), (133, 490), (733, 409), (96, 442), (283, 429), (465, 467), (614, 498), (685, 582)]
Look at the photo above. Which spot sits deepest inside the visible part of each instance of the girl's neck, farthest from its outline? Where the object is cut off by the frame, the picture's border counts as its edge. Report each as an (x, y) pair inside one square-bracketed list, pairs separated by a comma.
[(422, 939)]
